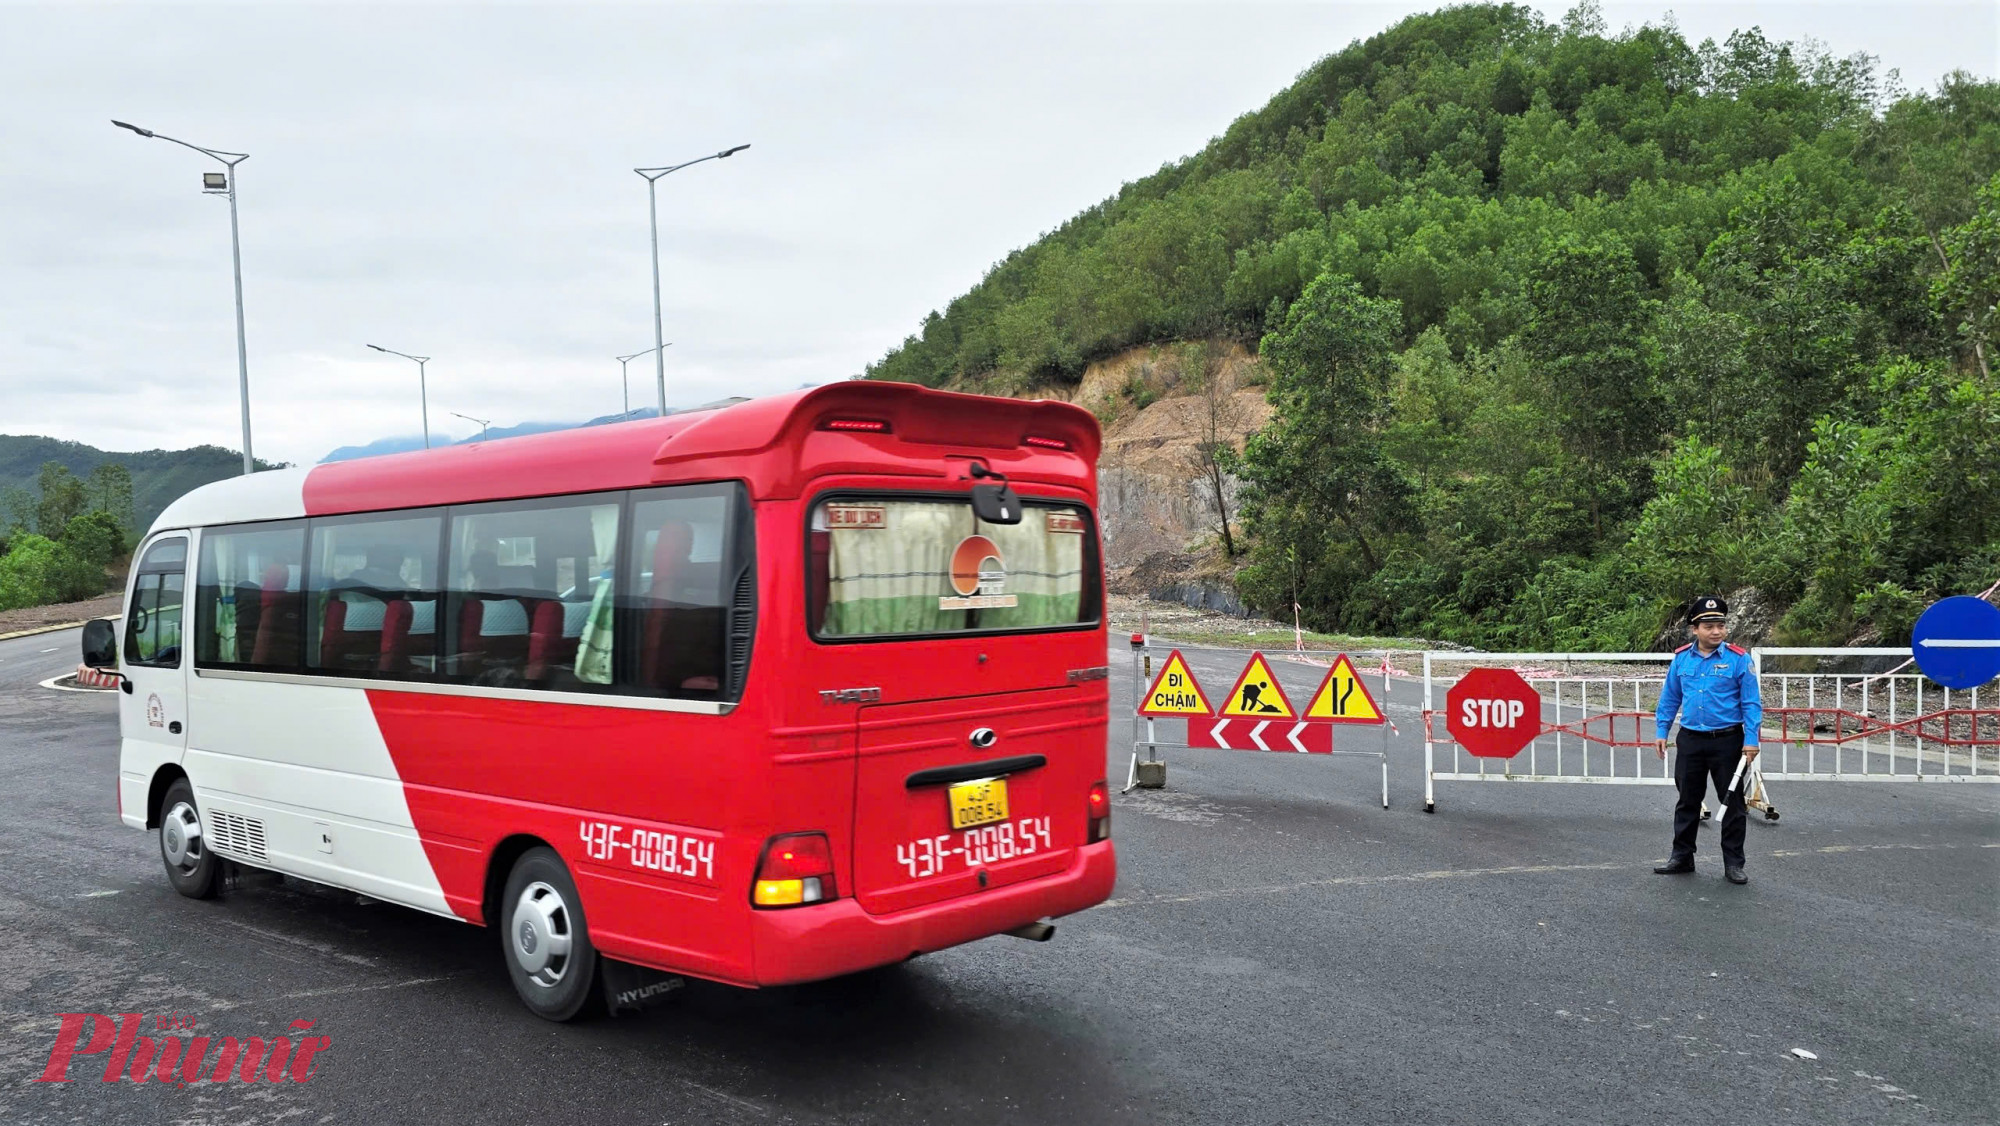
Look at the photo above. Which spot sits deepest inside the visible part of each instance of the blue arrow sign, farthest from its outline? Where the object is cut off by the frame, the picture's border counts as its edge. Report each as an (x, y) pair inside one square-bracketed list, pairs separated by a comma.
[(1957, 641)]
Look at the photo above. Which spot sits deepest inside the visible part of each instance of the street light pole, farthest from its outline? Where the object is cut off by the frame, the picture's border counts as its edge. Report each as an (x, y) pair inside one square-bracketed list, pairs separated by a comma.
[(483, 423), (626, 383), (229, 160), (423, 387), (652, 176)]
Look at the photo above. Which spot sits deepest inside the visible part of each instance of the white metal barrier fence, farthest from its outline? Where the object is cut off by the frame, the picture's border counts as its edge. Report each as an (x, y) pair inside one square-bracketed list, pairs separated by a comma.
[(1827, 717), (1298, 675)]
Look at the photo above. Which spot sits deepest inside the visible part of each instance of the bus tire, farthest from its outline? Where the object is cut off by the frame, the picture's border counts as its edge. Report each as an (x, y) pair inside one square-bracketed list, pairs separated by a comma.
[(192, 867), (544, 939)]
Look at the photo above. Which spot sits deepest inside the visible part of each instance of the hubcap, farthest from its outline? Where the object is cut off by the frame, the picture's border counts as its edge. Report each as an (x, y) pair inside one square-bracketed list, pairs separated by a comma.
[(180, 837), (542, 932)]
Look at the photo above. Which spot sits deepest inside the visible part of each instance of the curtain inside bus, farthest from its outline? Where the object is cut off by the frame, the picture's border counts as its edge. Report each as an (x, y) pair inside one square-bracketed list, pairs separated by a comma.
[(888, 568)]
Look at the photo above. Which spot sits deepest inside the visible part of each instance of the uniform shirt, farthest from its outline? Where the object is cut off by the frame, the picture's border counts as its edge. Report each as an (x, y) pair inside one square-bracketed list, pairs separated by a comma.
[(1712, 692)]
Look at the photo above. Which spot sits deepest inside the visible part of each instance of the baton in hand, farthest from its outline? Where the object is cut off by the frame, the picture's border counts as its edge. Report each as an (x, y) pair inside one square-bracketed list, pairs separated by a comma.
[(1741, 764)]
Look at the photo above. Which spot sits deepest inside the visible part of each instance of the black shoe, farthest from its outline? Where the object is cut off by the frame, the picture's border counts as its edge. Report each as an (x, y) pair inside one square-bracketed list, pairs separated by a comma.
[(1735, 876), (1679, 867)]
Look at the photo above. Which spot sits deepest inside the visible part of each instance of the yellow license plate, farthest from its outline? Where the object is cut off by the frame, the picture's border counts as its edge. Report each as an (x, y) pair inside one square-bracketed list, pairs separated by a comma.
[(977, 803)]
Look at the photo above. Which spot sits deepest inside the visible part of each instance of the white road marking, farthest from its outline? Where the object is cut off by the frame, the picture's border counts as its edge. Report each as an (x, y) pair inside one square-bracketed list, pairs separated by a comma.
[(336, 991), (98, 894)]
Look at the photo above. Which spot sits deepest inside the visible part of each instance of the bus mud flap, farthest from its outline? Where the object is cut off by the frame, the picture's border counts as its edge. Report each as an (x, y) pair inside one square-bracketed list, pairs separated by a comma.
[(629, 988)]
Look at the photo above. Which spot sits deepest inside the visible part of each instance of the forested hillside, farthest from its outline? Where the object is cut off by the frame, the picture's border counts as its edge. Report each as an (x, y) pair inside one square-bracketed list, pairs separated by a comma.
[(1564, 326), (158, 476)]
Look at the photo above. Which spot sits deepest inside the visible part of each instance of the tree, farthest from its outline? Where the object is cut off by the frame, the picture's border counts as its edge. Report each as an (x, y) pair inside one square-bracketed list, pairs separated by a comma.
[(96, 537), (19, 506), (1317, 479), (1583, 331), (110, 490), (1968, 290), (62, 498), (1217, 420)]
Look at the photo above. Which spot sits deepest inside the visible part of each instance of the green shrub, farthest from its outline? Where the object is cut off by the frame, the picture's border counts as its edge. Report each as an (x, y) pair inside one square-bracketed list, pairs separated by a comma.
[(95, 537), (37, 571)]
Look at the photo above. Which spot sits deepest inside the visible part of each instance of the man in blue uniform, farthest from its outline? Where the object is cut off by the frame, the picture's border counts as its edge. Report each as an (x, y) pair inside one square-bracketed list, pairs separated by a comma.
[(1713, 686)]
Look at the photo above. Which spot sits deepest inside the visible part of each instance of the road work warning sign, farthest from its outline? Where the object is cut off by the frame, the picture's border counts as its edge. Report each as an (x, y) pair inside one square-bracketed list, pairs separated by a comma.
[(1342, 698), (1257, 695), (1175, 691)]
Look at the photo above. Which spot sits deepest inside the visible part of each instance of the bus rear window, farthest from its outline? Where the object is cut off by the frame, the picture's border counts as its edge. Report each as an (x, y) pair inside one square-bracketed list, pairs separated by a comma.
[(900, 566)]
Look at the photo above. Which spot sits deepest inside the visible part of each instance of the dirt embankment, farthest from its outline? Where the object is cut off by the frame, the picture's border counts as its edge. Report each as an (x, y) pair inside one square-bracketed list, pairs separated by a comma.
[(61, 613), (1158, 404)]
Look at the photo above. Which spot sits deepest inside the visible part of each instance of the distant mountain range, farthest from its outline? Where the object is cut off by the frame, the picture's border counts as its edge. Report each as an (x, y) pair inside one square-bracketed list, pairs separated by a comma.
[(405, 443)]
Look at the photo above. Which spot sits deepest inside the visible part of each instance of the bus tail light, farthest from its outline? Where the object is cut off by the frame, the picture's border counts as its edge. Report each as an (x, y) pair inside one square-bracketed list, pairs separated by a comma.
[(861, 425), (1100, 813), (796, 869)]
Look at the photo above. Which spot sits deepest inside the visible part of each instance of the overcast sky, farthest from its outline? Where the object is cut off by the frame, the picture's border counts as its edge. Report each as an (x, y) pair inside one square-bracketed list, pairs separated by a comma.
[(457, 183)]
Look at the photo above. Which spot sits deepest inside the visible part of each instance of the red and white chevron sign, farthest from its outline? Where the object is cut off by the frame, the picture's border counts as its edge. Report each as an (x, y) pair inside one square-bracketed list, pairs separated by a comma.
[(1261, 735)]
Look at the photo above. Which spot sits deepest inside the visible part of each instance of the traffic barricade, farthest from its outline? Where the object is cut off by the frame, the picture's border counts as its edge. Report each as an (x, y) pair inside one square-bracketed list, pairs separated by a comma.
[(1542, 717), (1849, 714), (1828, 716), (1257, 712)]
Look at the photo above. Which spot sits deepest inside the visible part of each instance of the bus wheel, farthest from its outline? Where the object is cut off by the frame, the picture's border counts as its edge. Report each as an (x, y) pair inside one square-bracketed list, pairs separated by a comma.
[(191, 867), (544, 938)]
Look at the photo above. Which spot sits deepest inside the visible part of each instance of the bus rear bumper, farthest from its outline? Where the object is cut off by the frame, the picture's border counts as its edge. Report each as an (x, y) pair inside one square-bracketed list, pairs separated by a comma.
[(812, 943)]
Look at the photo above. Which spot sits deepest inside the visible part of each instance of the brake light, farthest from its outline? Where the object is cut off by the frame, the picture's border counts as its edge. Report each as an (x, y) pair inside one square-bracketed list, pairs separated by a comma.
[(1045, 443), (864, 425), (796, 869), (1100, 813)]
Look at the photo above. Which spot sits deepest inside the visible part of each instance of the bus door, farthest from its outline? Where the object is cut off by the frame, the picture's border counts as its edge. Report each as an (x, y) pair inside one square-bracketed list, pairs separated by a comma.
[(152, 708)]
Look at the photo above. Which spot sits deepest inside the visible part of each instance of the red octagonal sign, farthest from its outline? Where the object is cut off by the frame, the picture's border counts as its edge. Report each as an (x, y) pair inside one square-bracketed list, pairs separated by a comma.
[(1493, 713)]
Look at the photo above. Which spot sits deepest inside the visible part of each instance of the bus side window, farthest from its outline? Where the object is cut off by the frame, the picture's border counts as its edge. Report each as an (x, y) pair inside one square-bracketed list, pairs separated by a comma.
[(374, 585), (683, 562), (529, 594), (153, 621), (247, 598)]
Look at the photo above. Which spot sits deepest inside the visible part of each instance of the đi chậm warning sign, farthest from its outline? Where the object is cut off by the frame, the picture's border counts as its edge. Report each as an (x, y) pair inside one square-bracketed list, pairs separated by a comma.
[(1175, 692)]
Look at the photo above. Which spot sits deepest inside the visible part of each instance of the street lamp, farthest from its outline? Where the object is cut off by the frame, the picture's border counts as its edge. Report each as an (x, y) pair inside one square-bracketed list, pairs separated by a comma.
[(652, 176), (627, 384), (423, 390), (218, 183), (483, 422)]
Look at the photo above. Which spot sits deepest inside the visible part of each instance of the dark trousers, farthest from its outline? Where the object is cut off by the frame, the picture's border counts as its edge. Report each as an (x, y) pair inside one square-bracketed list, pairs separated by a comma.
[(1698, 758)]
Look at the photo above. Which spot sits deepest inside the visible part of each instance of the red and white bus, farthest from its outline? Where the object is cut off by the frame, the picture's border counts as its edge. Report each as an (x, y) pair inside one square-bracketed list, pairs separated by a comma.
[(762, 695)]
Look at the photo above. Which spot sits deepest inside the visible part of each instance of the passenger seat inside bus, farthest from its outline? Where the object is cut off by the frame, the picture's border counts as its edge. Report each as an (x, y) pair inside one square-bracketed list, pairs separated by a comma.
[(278, 620), (350, 635), (681, 647), (409, 636)]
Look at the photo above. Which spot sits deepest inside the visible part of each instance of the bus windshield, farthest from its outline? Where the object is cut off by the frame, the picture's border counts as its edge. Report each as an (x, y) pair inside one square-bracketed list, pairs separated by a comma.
[(897, 566)]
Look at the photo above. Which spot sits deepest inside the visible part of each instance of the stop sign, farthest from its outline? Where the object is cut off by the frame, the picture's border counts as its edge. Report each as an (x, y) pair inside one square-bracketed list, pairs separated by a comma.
[(1493, 713)]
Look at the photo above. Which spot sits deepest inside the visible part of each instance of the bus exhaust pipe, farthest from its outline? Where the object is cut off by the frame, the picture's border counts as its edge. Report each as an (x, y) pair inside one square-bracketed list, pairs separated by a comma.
[(1035, 932)]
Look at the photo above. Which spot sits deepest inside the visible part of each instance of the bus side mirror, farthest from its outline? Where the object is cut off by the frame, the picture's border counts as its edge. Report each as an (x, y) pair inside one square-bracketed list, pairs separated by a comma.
[(100, 644), (996, 504)]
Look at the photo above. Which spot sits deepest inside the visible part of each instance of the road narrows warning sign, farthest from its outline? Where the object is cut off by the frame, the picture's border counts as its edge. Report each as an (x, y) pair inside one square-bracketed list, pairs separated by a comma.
[(1257, 695), (1342, 697), (1175, 691)]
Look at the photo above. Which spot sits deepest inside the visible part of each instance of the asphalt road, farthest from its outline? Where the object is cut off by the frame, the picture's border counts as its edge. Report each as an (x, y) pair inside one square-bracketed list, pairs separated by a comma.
[(1279, 950)]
